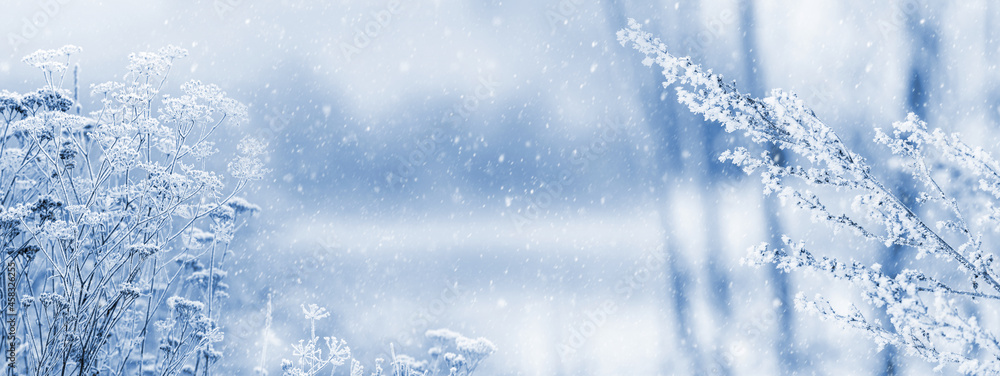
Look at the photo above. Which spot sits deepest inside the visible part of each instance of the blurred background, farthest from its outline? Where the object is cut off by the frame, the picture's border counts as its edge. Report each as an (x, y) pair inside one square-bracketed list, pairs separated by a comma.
[(508, 170)]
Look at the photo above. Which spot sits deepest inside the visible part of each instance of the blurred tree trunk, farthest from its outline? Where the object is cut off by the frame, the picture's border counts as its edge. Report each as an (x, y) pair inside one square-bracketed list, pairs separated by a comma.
[(754, 82), (660, 113), (922, 41), (707, 172)]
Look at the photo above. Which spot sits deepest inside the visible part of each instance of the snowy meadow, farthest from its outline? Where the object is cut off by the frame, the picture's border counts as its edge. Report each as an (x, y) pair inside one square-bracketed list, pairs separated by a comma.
[(717, 187)]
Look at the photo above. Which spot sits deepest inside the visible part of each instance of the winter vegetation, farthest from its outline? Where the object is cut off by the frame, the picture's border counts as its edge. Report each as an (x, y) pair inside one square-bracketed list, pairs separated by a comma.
[(450, 354), (352, 177), (950, 221), (114, 235)]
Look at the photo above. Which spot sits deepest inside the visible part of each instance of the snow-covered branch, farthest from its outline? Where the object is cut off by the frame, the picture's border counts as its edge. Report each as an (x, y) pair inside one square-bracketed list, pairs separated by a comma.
[(817, 158)]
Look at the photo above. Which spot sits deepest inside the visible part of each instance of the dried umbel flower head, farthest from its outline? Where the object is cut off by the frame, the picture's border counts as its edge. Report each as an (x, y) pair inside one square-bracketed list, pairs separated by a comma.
[(248, 165), (26, 253), (184, 309), (47, 99), (314, 312), (9, 105), (148, 64), (43, 58), (241, 205), (143, 250), (479, 347)]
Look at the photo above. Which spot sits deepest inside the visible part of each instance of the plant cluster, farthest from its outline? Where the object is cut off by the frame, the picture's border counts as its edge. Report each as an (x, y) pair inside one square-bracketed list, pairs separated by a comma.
[(117, 228), (450, 354)]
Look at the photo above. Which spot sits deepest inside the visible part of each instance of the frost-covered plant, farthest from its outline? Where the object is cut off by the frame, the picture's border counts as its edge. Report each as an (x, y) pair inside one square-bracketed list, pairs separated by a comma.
[(455, 353), (310, 356), (923, 306), (111, 218), (451, 354)]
